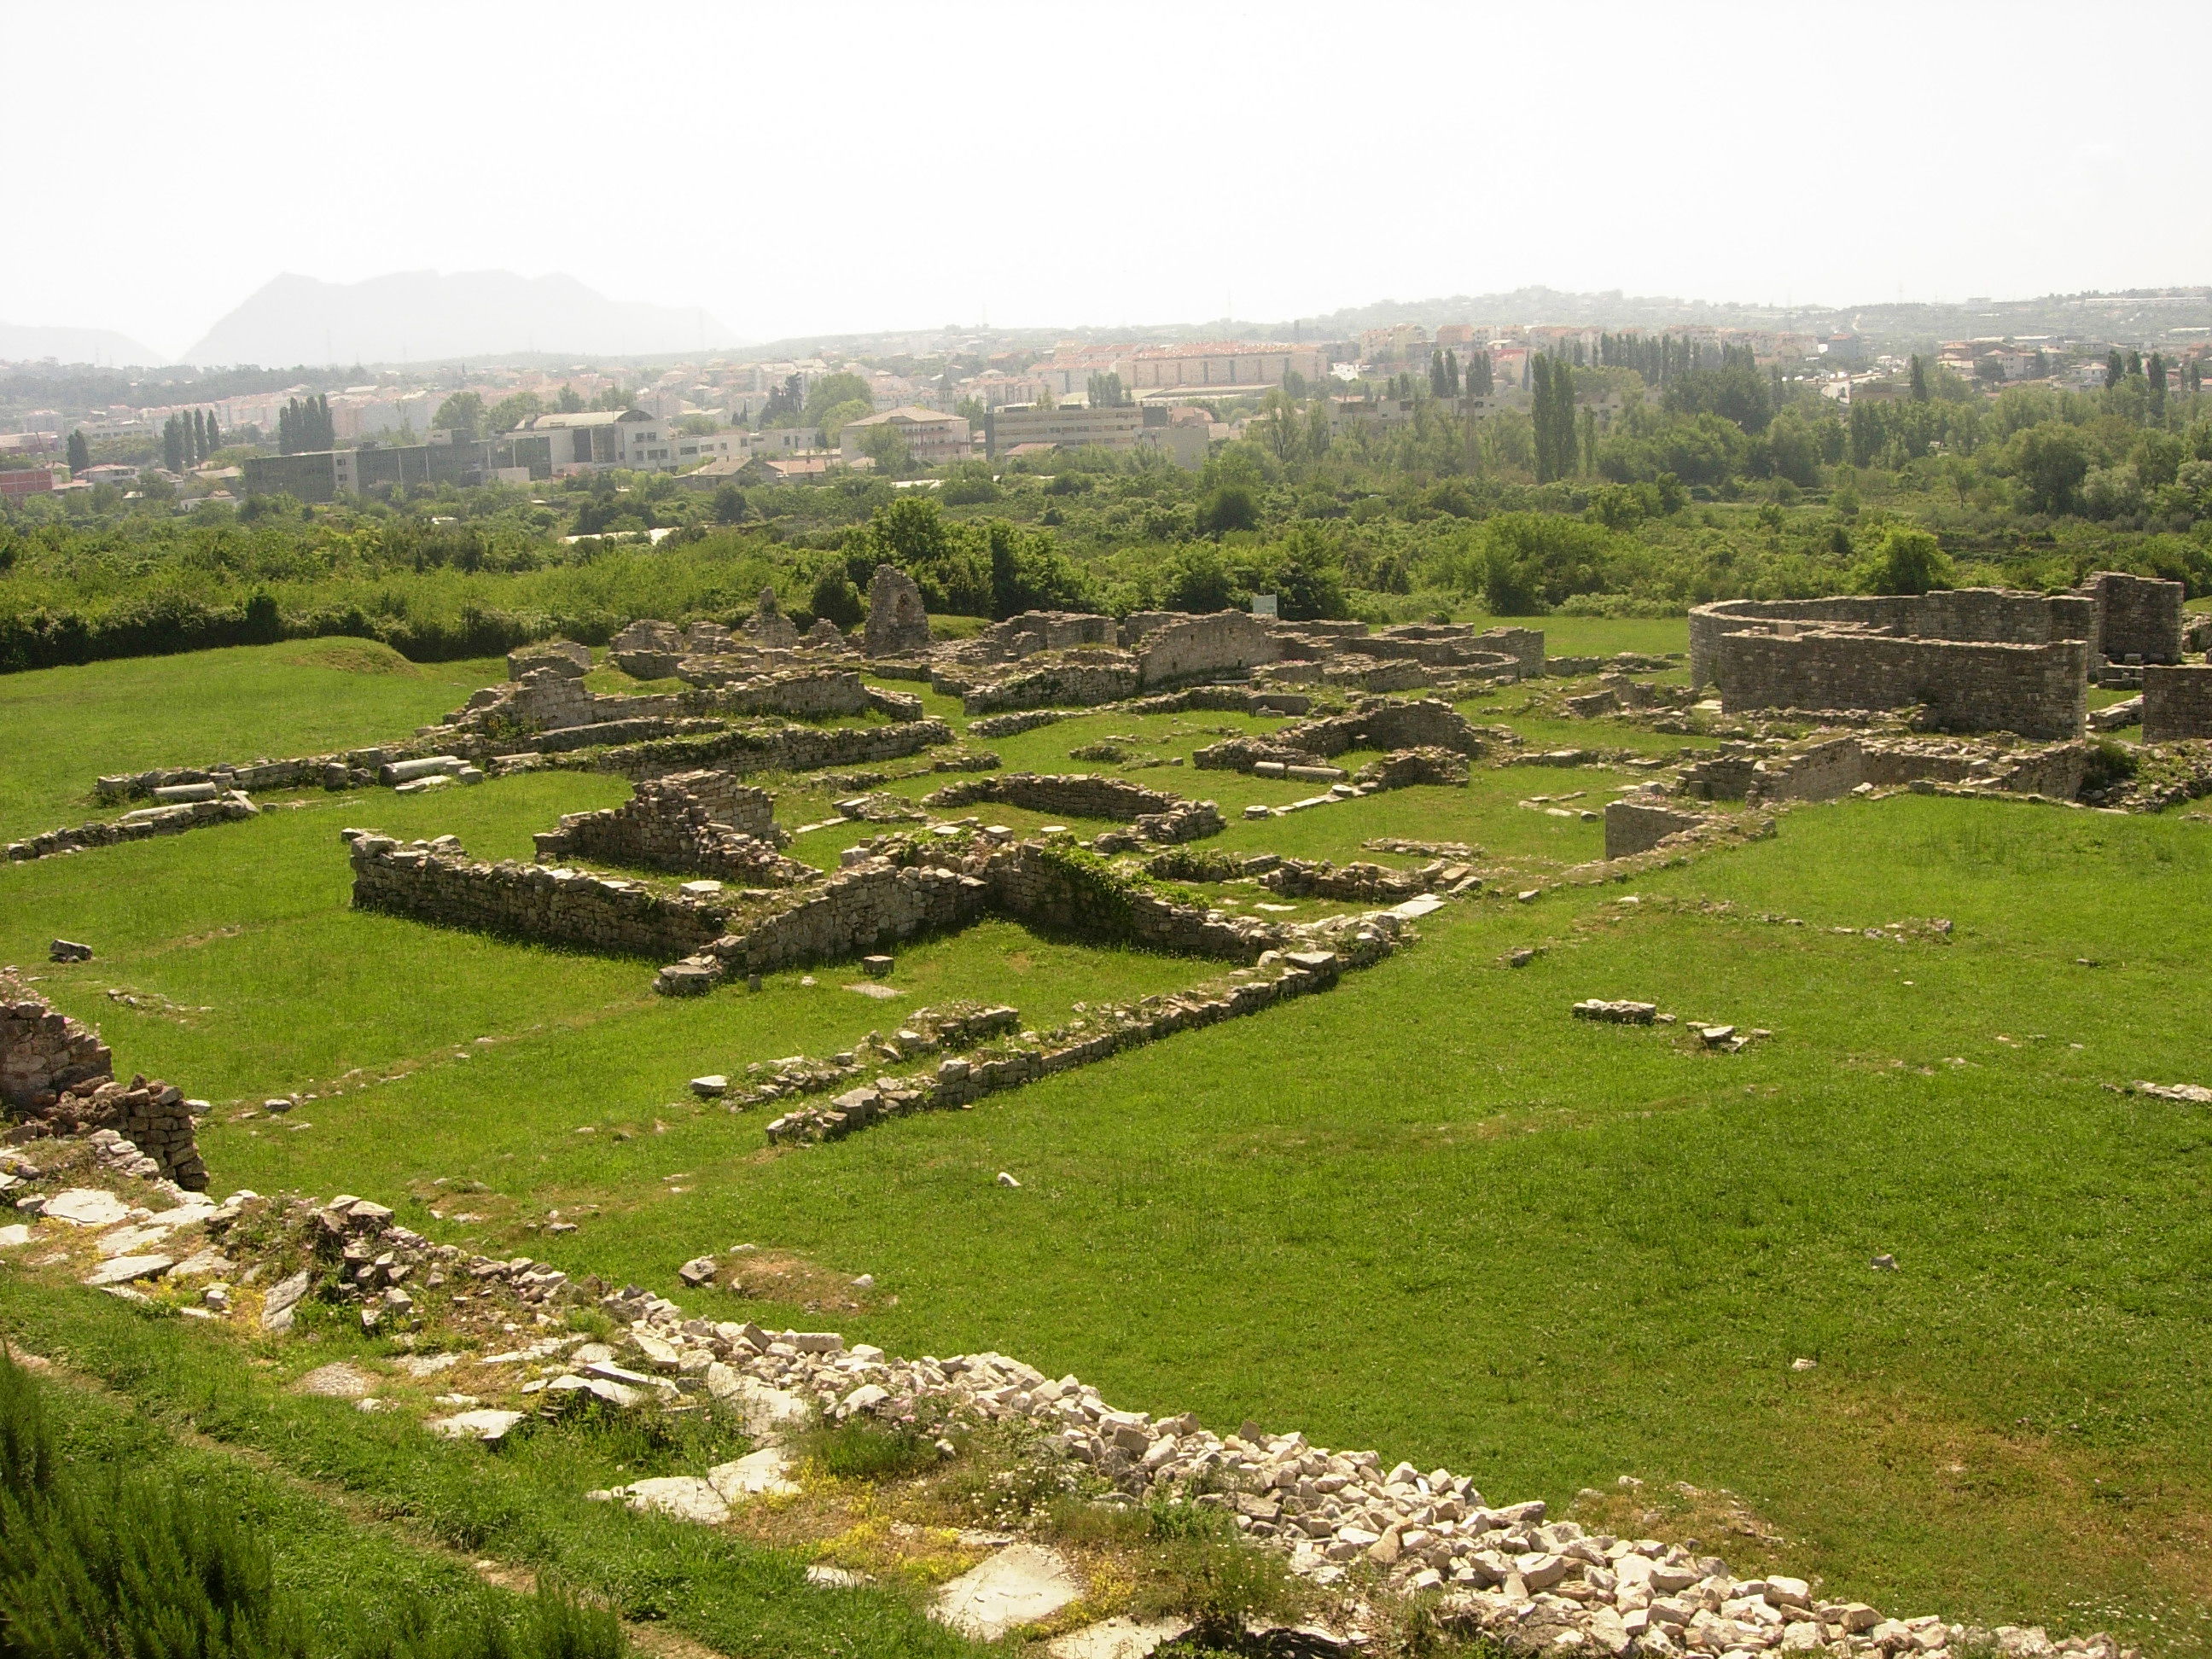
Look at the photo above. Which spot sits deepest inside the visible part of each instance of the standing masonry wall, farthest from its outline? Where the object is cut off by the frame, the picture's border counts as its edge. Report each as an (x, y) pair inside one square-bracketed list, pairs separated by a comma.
[(2036, 690), (59, 1078), (700, 823), (1636, 826), (1994, 615), (438, 882), (2138, 617), (856, 910), (776, 748), (1220, 643), (1076, 795), (2176, 702)]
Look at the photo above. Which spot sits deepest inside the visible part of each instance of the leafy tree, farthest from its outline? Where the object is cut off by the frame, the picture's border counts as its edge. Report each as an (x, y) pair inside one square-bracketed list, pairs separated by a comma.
[(1230, 506), (836, 418), (1308, 577), (80, 452), (462, 414), (968, 484), (1199, 579), (832, 390), (516, 410), (836, 598), (2051, 461), (886, 446), (1479, 381), (1907, 562), (2115, 368), (615, 399), (1106, 392), (570, 402), (786, 404), (730, 507)]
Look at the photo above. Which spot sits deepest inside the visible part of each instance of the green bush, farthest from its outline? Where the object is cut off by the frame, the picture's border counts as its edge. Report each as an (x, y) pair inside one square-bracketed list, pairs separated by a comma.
[(105, 1565)]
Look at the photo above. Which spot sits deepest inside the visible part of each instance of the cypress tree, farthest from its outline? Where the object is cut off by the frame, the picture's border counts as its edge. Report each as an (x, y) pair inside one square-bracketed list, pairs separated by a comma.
[(172, 444), (80, 452)]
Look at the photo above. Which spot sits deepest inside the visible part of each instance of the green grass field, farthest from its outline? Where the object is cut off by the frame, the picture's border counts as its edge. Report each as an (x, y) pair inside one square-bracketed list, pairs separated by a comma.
[(1428, 1212)]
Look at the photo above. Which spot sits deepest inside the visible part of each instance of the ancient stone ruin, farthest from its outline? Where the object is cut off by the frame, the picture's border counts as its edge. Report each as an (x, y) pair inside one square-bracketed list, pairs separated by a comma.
[(189, 806), (897, 624), (1427, 723), (698, 824), (57, 1078), (1977, 659), (2176, 702), (1153, 815)]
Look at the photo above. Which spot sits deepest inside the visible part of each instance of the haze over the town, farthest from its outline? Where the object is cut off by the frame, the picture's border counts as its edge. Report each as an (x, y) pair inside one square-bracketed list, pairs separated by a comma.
[(788, 175)]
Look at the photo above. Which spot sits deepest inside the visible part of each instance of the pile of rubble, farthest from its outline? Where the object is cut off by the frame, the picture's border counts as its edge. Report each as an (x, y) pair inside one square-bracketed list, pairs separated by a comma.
[(697, 824)]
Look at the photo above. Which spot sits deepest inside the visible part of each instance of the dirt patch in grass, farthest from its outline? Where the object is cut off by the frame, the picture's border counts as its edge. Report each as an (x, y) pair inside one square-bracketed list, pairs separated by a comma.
[(781, 1277)]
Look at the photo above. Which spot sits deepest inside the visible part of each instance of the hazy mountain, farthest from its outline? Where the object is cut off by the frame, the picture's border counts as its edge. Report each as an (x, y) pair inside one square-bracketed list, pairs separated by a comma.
[(421, 316), (20, 344)]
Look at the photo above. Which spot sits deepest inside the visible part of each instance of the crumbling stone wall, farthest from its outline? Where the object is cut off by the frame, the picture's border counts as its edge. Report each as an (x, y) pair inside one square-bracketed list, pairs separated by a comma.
[(1060, 892), (774, 748), (811, 694), (1821, 772), (562, 657), (1637, 826), (43, 1051), (1425, 724), (2176, 702), (1225, 641), (438, 882), (147, 821), (1076, 795), (699, 823), (1358, 670), (1991, 615), (2036, 690), (1078, 678), (1039, 630), (858, 909), (897, 624), (57, 1077), (2138, 618)]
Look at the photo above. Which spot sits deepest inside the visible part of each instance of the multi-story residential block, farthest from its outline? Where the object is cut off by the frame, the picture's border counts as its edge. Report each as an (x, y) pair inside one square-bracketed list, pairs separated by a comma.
[(933, 437)]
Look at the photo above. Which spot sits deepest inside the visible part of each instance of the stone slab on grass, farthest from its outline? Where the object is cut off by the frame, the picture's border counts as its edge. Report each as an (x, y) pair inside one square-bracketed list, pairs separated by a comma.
[(122, 1269), (336, 1381), (88, 1207), (766, 1473), (487, 1426), (1117, 1639), (1019, 1585)]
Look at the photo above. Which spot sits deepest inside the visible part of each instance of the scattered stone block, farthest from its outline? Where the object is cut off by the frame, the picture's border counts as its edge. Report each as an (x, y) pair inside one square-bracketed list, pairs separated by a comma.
[(65, 950), (1616, 1013), (487, 1426), (1020, 1585)]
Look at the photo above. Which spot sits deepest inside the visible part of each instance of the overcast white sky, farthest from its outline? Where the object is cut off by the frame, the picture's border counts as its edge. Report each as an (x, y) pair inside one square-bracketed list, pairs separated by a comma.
[(851, 165)]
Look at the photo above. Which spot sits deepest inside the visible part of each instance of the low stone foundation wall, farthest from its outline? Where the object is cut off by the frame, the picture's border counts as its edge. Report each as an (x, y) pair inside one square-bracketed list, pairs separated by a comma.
[(1838, 765), (2177, 704), (1425, 724), (1082, 680), (1098, 1034), (57, 1078), (1076, 795), (1637, 826), (855, 911), (438, 882), (775, 748), (140, 825)]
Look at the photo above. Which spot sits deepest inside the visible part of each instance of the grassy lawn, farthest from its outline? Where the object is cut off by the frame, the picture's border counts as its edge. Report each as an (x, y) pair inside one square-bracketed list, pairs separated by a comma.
[(302, 697), (1428, 1212)]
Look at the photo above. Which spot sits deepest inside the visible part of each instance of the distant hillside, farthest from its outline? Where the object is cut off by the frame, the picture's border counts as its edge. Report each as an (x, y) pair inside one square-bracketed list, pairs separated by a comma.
[(422, 316), (104, 346)]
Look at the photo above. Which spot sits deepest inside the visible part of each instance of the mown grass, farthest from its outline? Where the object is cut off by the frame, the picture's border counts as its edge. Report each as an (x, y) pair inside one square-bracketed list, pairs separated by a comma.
[(1428, 1212), (65, 725)]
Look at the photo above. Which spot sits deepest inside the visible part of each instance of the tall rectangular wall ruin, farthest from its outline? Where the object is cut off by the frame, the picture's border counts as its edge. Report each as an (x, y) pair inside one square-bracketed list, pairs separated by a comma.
[(2035, 690)]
